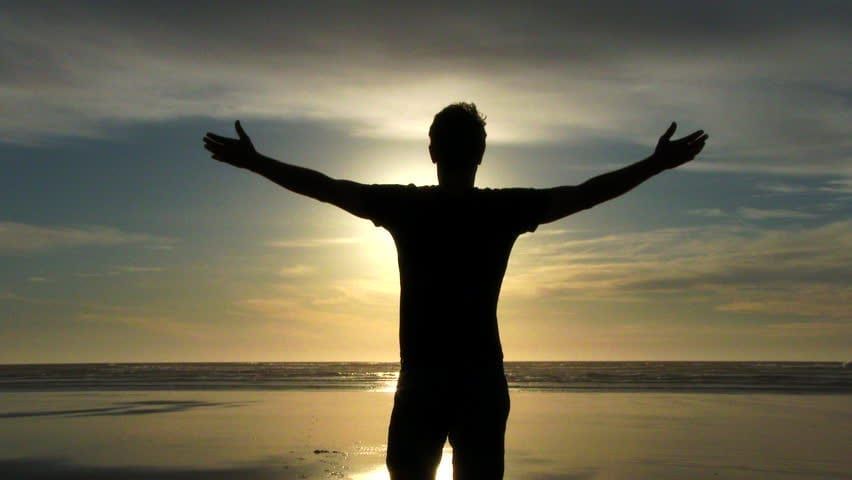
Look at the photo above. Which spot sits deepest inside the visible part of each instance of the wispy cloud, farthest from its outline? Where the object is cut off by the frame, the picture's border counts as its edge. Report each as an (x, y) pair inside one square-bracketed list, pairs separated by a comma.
[(778, 271), (344, 302), (810, 329), (299, 270), (750, 213), (842, 185), (782, 188), (161, 324), (138, 269), (14, 297), (708, 212), (312, 242), (773, 214), (16, 238), (124, 269)]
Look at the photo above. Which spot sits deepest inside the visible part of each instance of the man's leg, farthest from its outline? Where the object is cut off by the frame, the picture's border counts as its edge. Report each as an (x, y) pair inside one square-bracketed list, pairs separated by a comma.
[(417, 432), (478, 431)]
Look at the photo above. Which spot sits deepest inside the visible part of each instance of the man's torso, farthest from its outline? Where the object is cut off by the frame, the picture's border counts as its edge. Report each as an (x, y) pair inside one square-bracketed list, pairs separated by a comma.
[(453, 249)]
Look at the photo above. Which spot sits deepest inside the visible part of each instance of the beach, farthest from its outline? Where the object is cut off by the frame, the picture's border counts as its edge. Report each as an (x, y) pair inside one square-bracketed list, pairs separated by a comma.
[(262, 434)]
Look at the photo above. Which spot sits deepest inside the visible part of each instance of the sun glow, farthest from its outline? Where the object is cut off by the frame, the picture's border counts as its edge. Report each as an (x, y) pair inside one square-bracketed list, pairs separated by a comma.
[(409, 166)]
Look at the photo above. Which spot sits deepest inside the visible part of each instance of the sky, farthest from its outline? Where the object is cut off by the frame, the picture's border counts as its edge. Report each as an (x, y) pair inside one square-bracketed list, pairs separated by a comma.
[(121, 240)]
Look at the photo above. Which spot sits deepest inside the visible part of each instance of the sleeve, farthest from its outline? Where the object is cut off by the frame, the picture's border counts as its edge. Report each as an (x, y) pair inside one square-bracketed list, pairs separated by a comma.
[(386, 205), (522, 210)]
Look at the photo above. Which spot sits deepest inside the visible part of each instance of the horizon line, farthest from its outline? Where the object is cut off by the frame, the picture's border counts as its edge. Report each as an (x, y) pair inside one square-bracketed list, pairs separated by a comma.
[(223, 362)]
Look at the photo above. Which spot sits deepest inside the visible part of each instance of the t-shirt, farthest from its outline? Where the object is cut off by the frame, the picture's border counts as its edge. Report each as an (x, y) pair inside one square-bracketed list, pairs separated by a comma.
[(452, 250)]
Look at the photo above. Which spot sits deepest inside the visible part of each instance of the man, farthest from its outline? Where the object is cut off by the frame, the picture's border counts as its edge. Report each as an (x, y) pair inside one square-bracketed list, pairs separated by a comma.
[(453, 242)]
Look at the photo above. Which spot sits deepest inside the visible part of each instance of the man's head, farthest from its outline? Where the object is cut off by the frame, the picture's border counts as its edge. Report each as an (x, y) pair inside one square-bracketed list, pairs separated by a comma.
[(457, 142)]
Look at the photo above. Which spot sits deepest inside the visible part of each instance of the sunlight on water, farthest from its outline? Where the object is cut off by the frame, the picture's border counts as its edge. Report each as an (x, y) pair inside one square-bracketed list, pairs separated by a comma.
[(388, 385), (445, 470)]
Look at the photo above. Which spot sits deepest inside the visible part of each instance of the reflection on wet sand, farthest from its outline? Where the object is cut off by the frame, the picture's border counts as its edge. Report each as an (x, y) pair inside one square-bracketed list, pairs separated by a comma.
[(60, 469), (380, 472), (124, 408)]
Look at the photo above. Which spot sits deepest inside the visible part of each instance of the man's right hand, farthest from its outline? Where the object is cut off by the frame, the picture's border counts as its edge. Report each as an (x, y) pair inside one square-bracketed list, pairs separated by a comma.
[(238, 152)]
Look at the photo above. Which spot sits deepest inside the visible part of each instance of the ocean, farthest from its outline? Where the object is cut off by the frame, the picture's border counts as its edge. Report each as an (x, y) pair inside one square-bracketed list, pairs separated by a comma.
[(707, 377)]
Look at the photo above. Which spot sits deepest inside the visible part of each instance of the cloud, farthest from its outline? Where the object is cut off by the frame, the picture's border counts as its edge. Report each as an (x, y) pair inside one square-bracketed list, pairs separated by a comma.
[(818, 302), (110, 273), (762, 77), (138, 269), (296, 270), (339, 300), (810, 329), (160, 324), (843, 185), (18, 238), (14, 297), (114, 271), (312, 242), (781, 188), (800, 271), (708, 212), (749, 213), (773, 214), (335, 316)]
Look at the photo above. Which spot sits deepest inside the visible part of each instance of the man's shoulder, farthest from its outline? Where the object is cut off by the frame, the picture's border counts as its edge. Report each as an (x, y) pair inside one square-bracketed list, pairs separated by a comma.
[(388, 205), (506, 190), (400, 188), (509, 193)]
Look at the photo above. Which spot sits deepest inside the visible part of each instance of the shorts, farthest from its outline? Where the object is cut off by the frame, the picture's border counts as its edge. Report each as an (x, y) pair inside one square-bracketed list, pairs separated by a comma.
[(430, 408)]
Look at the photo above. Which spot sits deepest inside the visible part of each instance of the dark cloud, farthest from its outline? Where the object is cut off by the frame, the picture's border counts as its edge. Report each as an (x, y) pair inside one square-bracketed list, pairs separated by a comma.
[(544, 30), (766, 78)]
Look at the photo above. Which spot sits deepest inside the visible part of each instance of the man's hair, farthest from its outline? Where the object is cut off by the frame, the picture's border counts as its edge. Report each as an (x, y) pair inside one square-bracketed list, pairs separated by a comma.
[(458, 132)]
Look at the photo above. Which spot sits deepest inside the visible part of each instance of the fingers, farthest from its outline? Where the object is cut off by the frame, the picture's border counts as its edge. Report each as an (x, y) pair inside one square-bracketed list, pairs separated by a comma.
[(219, 138), (213, 146), (216, 152), (214, 149), (698, 145), (691, 137), (223, 148), (240, 131), (699, 142), (669, 132)]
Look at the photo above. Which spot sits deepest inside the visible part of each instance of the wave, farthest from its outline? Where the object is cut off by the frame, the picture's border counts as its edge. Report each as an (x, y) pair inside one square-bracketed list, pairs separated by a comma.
[(798, 377)]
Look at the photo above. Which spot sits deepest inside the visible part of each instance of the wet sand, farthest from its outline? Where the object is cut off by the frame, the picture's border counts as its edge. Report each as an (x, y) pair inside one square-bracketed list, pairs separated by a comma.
[(246, 435)]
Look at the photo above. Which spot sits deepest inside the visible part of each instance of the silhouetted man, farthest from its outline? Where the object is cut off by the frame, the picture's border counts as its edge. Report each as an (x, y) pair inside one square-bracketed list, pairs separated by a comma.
[(453, 242)]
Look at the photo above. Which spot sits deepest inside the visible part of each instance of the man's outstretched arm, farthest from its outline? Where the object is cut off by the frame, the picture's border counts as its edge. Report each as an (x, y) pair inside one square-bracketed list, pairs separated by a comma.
[(240, 152), (669, 154)]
